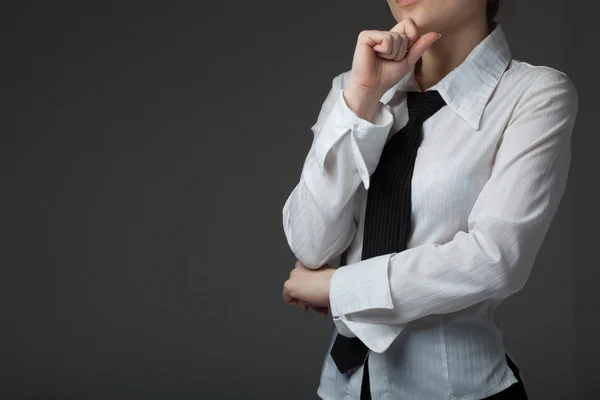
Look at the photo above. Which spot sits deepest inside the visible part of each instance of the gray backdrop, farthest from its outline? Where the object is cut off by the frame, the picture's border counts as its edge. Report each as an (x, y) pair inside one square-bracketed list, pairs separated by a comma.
[(147, 150)]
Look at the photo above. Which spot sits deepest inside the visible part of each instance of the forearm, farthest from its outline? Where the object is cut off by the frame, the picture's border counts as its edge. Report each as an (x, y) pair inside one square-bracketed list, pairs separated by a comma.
[(318, 216), (318, 228)]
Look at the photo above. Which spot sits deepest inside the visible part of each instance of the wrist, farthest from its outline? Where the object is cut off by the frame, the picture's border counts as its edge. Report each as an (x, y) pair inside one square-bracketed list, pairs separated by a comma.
[(329, 278), (362, 102)]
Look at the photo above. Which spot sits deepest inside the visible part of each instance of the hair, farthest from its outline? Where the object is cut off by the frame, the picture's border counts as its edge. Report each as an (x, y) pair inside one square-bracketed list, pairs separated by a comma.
[(492, 10)]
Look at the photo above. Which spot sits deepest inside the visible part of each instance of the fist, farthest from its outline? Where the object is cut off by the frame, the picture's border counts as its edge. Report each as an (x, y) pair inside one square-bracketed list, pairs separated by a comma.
[(383, 58), (308, 287)]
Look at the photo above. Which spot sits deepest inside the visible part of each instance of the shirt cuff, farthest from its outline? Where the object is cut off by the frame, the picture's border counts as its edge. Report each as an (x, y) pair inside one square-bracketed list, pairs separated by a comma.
[(377, 337), (361, 286), (367, 138), (342, 328)]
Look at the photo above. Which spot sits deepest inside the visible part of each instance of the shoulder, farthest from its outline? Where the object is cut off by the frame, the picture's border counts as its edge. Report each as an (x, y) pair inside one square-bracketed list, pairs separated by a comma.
[(538, 95), (539, 80)]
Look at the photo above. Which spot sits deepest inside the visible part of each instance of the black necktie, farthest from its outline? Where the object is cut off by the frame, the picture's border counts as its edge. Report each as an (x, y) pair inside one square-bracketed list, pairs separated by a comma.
[(388, 212)]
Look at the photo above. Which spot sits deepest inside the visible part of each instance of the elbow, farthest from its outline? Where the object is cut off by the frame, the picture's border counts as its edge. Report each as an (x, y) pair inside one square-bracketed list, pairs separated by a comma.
[(511, 278), (311, 255), (310, 263), (314, 241), (507, 266), (304, 247), (313, 251)]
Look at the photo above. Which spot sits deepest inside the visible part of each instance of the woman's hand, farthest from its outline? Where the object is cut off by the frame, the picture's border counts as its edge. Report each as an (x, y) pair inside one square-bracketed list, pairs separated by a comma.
[(309, 287), (383, 58)]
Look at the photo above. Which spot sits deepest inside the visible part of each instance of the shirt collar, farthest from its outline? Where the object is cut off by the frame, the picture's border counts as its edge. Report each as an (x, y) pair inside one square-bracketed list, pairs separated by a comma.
[(468, 87)]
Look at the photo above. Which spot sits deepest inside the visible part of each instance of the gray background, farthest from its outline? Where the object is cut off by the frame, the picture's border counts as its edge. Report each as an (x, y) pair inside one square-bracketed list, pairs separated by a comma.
[(147, 149)]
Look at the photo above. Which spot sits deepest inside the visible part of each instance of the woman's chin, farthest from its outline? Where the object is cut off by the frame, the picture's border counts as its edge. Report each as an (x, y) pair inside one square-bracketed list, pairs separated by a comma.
[(424, 27), (421, 21)]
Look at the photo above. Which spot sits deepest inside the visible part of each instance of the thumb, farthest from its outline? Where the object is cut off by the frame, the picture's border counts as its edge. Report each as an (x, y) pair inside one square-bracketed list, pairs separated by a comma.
[(420, 46)]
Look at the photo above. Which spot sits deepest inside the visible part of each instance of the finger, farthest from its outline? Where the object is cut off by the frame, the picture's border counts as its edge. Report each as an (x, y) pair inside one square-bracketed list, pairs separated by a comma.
[(402, 48), (302, 305), (374, 40), (408, 28), (420, 46), (287, 295), (288, 298), (387, 45), (298, 303), (397, 42), (321, 310)]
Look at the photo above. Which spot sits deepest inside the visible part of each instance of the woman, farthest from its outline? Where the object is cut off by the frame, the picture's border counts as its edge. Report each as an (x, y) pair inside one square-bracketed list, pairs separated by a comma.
[(483, 141)]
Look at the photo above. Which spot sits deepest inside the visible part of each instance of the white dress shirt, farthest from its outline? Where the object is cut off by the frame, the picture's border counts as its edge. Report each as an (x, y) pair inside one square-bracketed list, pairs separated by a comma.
[(488, 178)]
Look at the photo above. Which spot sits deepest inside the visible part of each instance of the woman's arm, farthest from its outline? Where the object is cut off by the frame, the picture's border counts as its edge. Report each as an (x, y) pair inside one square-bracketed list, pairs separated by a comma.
[(375, 298), (318, 216)]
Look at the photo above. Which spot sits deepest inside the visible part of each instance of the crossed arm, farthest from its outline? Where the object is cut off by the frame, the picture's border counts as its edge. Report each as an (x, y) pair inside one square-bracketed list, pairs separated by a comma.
[(375, 298)]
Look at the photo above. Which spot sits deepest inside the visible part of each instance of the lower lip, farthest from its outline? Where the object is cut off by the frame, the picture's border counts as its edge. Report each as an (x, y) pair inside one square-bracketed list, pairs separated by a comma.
[(405, 3)]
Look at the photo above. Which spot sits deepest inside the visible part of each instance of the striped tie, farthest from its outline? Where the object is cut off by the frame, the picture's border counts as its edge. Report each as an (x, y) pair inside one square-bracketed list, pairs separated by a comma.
[(388, 213)]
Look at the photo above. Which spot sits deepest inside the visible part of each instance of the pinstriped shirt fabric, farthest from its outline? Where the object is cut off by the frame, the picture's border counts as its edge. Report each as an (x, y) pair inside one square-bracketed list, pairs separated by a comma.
[(487, 181)]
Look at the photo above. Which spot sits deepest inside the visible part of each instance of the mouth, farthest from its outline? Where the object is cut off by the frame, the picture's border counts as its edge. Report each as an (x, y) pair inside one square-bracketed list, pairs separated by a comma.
[(405, 3)]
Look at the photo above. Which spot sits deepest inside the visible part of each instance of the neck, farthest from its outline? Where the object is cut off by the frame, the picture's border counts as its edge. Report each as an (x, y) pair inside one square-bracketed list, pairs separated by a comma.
[(448, 52)]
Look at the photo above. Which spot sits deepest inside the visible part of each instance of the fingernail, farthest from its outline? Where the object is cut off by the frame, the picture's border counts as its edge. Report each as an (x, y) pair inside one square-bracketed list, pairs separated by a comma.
[(439, 36)]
